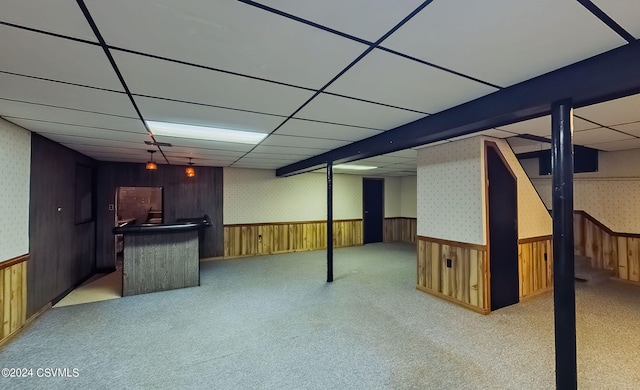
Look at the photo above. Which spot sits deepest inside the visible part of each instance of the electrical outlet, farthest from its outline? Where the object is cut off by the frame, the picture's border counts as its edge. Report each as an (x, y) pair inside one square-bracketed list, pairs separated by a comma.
[(449, 263), (259, 237), (545, 257), (111, 207)]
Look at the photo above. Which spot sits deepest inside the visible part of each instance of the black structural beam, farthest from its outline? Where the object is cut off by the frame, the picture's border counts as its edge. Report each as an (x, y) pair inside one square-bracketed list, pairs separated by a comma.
[(564, 296), (604, 77), (329, 222)]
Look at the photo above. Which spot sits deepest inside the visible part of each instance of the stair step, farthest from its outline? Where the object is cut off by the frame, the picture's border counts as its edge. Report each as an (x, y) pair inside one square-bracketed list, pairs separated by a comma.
[(584, 272)]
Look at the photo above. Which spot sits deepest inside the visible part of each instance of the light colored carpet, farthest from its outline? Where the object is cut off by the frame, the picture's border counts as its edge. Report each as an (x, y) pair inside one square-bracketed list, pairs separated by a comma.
[(99, 288), (273, 323)]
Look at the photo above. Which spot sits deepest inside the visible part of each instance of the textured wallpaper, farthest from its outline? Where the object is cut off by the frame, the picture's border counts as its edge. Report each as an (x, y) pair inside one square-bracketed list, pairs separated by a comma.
[(533, 218), (615, 202), (610, 195), (449, 191), (15, 161), (409, 196), (258, 196)]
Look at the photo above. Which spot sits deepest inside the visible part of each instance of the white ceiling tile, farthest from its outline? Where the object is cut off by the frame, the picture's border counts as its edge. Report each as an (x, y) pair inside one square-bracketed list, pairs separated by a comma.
[(273, 156), (496, 133), (104, 151), (613, 112), (365, 19), (226, 34), (267, 161), (164, 79), (624, 12), (618, 145), (194, 114), (430, 144), (200, 152), (629, 128), (356, 113), (504, 41), (197, 143), (65, 115), (596, 136), (539, 126), (80, 131), (61, 17), (580, 124), (199, 160), (257, 165), (41, 55), (407, 153), (390, 79), (294, 142), (382, 160), (325, 130), (302, 152), (135, 126), (464, 137), (64, 95), (70, 141)]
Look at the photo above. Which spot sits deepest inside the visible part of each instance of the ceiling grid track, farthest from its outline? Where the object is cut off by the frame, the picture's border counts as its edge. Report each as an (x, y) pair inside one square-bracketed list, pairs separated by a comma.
[(343, 71), (104, 46)]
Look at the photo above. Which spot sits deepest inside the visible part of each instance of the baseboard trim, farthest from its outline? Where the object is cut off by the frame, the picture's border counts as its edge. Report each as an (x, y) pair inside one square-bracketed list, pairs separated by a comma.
[(453, 300), (7, 339), (276, 253), (536, 293), (625, 281)]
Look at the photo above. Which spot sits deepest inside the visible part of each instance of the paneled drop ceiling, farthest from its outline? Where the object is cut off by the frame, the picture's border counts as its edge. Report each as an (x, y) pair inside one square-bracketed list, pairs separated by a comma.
[(314, 76)]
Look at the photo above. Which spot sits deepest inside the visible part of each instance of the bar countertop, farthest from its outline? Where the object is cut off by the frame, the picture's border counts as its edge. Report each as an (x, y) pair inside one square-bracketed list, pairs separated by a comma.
[(181, 224)]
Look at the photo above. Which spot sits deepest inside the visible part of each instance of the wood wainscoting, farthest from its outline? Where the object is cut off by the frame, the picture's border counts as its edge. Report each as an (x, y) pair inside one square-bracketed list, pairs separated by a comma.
[(614, 251), (535, 265), (594, 240), (283, 237), (455, 271), (13, 295), (400, 229)]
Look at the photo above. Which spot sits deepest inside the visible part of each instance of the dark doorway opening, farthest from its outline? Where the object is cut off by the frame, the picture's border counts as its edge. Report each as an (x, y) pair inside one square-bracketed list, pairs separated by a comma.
[(373, 209), (502, 203)]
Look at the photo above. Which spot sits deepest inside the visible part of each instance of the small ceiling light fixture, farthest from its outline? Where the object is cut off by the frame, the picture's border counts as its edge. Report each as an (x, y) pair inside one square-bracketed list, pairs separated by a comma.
[(190, 171), (151, 166), (204, 133), (354, 167)]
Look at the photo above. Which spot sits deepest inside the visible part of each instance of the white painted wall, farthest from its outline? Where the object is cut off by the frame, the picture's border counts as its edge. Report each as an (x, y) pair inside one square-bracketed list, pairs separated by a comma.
[(15, 162), (611, 195), (392, 201), (258, 196), (450, 187), (409, 196)]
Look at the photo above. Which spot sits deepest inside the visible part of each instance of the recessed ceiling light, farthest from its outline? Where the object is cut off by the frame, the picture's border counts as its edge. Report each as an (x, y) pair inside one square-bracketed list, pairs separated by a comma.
[(204, 133), (354, 167)]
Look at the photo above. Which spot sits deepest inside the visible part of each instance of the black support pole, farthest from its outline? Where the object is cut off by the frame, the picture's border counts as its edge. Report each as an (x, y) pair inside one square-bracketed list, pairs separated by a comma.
[(330, 222), (564, 299)]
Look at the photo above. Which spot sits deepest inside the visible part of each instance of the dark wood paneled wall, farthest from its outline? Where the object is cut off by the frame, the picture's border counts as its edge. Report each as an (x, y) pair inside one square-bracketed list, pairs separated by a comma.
[(160, 262), (402, 229), (182, 197), (62, 252)]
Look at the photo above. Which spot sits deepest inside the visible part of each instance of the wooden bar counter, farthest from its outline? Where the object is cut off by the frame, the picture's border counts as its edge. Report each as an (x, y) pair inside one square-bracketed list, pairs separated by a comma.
[(160, 257)]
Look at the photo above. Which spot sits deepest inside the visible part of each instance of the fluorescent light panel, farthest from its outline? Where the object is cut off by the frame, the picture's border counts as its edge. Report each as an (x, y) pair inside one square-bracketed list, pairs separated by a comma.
[(354, 167), (204, 133)]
